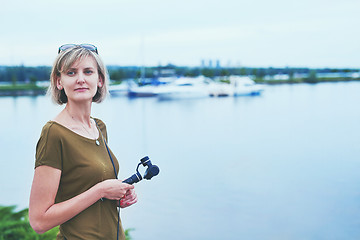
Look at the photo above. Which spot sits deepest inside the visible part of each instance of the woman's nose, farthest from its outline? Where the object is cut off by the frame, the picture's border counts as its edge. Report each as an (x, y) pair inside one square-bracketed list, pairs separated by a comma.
[(81, 78)]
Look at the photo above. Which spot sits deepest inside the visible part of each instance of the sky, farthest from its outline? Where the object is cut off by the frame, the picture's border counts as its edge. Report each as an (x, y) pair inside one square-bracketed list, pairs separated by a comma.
[(250, 33)]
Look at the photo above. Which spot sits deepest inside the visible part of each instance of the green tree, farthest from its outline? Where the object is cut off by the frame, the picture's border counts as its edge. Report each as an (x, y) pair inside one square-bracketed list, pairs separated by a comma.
[(127, 233), (312, 78), (15, 225), (192, 72), (291, 75), (207, 72), (224, 72), (259, 74), (13, 80), (117, 75), (243, 71), (33, 80)]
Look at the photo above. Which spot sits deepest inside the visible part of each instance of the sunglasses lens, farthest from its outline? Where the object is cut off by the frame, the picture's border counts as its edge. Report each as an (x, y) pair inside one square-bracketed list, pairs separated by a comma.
[(89, 47), (66, 46), (86, 46)]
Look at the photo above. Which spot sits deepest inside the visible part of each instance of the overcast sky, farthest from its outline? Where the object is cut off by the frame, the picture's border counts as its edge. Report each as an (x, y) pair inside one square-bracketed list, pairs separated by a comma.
[(255, 33)]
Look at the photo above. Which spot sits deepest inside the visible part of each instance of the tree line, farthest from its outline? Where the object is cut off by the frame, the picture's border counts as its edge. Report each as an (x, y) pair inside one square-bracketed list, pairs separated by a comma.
[(23, 74)]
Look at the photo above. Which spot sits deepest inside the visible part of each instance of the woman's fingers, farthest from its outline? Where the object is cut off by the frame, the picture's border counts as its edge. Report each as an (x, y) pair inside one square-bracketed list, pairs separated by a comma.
[(115, 190), (129, 199)]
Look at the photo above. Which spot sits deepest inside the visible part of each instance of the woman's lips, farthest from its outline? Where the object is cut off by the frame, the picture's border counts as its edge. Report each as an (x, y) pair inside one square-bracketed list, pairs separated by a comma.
[(81, 89)]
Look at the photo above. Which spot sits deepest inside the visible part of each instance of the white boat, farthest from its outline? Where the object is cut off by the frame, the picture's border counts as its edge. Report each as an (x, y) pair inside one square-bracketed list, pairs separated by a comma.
[(238, 86), (199, 87), (118, 89), (142, 91), (150, 87), (184, 88), (147, 90)]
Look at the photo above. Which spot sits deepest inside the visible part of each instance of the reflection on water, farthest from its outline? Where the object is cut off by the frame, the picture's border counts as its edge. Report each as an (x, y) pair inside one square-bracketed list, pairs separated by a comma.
[(283, 165)]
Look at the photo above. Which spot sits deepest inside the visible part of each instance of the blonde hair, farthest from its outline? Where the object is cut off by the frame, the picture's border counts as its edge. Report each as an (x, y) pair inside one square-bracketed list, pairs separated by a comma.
[(64, 61)]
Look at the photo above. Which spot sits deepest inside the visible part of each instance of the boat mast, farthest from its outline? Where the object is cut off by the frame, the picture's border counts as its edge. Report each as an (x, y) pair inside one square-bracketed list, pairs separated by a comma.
[(142, 70)]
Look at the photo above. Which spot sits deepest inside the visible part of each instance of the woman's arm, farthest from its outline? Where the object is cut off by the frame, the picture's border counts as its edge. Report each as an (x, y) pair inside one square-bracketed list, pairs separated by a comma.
[(44, 214)]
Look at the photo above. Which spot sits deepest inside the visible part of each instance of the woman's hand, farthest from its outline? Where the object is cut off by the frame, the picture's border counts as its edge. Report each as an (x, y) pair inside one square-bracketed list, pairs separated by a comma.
[(114, 189), (129, 199)]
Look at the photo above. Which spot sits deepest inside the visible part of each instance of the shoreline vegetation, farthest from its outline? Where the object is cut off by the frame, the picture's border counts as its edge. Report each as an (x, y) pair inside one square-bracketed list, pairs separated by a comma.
[(32, 81), (22, 90), (14, 225), (306, 80)]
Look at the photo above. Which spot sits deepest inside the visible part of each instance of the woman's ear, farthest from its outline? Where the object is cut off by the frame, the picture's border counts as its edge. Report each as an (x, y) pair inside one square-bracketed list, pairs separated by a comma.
[(101, 82), (58, 84)]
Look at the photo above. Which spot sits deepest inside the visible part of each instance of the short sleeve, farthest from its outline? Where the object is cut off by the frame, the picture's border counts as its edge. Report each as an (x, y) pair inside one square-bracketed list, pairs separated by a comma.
[(49, 148)]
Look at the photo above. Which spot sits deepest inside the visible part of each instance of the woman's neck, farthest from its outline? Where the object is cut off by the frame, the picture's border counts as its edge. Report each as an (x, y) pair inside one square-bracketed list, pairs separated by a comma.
[(79, 113)]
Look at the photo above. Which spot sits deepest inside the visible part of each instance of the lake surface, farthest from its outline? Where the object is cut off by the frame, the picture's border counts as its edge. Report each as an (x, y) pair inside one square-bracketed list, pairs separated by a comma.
[(283, 165)]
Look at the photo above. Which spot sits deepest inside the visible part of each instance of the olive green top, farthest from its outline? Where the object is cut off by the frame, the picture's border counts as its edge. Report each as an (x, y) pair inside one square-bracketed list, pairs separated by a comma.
[(83, 164)]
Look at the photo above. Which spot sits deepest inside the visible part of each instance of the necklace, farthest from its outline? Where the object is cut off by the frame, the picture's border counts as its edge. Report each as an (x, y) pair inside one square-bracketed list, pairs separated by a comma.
[(91, 124)]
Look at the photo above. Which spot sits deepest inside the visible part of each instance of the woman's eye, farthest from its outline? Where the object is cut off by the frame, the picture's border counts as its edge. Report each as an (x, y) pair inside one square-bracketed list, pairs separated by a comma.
[(70, 73), (88, 72)]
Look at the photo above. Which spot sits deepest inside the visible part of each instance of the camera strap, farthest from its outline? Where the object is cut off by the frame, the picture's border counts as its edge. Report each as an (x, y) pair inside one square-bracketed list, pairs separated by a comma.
[(112, 161), (113, 164)]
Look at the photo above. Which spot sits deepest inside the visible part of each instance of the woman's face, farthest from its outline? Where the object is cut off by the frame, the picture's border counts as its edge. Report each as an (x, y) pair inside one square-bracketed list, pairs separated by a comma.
[(81, 80)]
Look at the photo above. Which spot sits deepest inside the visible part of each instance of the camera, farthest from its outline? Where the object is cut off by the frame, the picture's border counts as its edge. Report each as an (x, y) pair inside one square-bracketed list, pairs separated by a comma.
[(151, 171)]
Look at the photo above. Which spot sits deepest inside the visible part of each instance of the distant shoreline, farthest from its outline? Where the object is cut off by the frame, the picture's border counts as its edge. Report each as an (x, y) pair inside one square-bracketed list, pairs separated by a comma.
[(304, 80), (15, 93), (33, 90), (22, 90)]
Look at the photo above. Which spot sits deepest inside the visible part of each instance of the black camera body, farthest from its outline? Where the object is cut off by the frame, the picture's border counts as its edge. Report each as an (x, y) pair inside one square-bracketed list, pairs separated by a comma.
[(151, 171)]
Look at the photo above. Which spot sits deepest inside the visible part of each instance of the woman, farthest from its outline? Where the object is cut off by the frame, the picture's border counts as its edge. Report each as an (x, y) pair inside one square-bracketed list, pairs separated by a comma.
[(74, 182)]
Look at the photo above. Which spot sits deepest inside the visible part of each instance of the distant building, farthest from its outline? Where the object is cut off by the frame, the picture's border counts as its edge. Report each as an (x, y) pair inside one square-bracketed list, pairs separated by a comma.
[(217, 63)]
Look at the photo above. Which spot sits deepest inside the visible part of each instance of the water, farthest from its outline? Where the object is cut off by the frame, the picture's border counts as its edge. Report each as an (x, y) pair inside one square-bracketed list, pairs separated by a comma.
[(284, 165)]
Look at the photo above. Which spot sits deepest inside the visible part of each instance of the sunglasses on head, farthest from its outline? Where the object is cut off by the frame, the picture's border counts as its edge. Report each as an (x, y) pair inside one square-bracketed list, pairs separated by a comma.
[(86, 46)]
